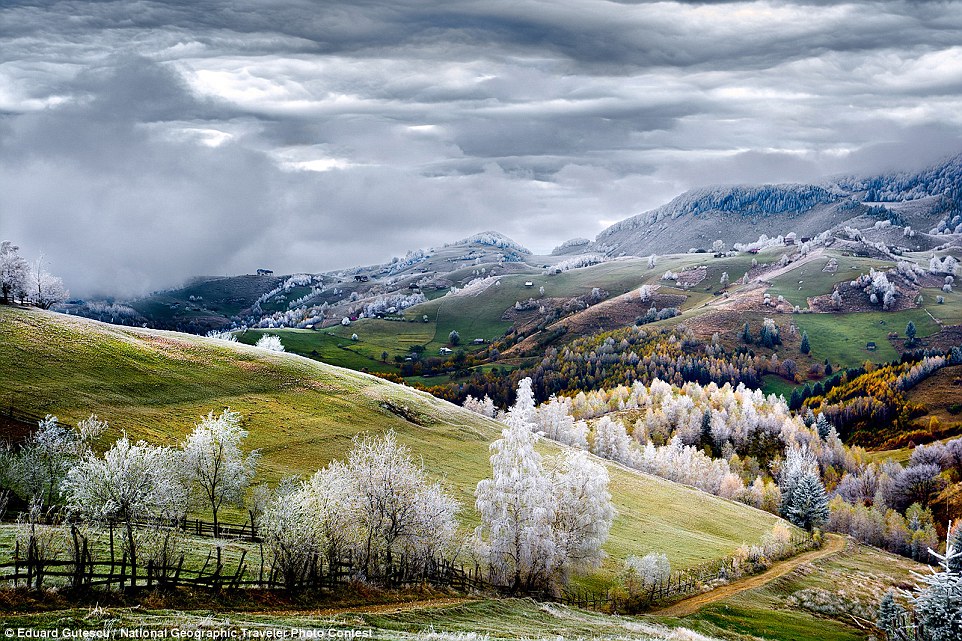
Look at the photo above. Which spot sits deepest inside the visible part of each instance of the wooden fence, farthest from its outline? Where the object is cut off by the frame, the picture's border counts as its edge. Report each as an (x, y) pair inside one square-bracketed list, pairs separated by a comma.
[(82, 570)]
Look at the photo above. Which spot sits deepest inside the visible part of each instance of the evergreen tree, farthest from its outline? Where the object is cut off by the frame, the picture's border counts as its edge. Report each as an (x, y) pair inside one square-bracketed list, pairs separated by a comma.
[(808, 503), (955, 541), (938, 608), (805, 347), (823, 427), (891, 618), (706, 438), (910, 332), (747, 334)]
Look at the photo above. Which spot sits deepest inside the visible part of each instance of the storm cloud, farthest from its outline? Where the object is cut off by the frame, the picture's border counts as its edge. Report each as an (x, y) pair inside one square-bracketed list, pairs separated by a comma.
[(142, 142)]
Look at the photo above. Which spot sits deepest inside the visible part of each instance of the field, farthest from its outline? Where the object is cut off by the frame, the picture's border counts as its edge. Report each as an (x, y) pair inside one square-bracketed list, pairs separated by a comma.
[(842, 338), (809, 280), (301, 414)]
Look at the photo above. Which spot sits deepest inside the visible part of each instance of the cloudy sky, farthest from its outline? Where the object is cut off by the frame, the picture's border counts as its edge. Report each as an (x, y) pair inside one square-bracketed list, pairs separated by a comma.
[(144, 142)]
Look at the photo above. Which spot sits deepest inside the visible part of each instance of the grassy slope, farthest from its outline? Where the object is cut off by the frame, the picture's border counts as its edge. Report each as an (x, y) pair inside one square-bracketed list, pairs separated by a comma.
[(860, 576), (302, 413)]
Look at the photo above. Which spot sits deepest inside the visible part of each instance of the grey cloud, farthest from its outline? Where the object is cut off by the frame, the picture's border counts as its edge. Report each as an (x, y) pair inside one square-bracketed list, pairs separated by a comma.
[(145, 142)]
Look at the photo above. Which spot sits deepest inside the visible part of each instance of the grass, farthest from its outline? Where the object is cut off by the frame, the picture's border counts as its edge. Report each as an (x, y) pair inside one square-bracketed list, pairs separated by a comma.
[(841, 338), (949, 312), (818, 602), (301, 414), (815, 282), (436, 620)]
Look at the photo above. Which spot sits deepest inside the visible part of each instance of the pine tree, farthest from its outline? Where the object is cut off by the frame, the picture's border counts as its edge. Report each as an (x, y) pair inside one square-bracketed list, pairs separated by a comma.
[(891, 618), (805, 347), (706, 438), (747, 334), (823, 427), (808, 503), (938, 608), (910, 332)]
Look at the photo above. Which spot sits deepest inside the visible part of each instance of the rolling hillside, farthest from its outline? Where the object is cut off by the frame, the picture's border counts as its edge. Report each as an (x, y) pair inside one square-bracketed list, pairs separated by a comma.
[(301, 413)]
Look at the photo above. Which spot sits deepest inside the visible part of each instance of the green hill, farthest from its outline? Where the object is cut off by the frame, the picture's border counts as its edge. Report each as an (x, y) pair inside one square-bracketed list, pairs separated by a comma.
[(155, 385)]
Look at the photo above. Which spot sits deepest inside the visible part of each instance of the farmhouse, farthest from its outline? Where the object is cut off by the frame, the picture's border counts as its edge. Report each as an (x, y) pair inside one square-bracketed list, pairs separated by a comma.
[(361, 278), (444, 351), (265, 272), (528, 283), (870, 346)]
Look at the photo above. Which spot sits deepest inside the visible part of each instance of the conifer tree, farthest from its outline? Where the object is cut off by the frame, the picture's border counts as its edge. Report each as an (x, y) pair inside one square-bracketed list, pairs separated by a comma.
[(805, 348), (808, 503)]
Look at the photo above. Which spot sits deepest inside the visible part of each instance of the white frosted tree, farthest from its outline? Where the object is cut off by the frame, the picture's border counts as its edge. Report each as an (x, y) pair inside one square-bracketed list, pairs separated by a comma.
[(132, 482), (46, 290), (332, 501), (611, 441), (214, 467), (583, 513), (14, 272), (226, 335), (554, 421), (270, 342), (288, 528), (484, 407), (517, 510), (398, 508), (37, 468), (523, 409)]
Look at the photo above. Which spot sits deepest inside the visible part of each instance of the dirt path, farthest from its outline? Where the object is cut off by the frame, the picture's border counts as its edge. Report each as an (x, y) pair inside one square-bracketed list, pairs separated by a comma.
[(834, 545)]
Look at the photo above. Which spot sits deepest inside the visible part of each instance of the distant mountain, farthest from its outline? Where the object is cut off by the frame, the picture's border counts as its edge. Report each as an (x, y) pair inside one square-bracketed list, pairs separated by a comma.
[(923, 200)]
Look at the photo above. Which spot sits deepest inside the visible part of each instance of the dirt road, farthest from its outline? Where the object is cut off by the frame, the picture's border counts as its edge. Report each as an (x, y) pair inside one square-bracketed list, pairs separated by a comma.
[(833, 545)]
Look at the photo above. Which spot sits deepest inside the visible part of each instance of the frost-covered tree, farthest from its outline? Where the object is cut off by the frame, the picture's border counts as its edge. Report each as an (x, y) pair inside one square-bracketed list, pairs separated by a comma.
[(611, 441), (333, 503), (724, 281), (214, 468), (270, 342), (227, 335), (523, 409), (808, 503), (938, 606), (36, 469), (643, 572), (132, 482), (484, 407), (554, 420), (892, 618), (398, 508), (14, 272), (652, 260), (583, 514), (799, 462), (46, 290), (288, 528), (517, 510)]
